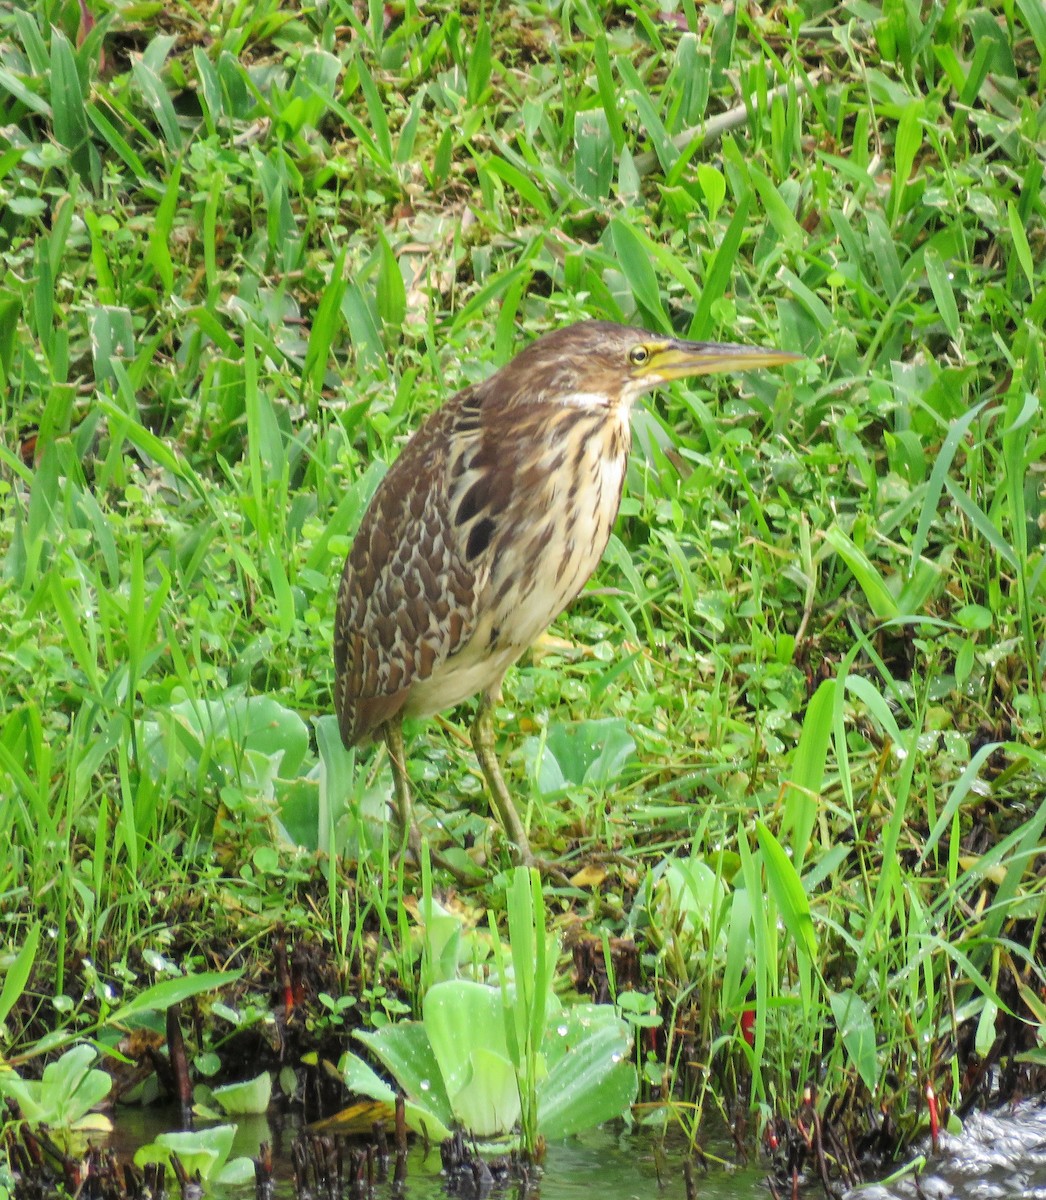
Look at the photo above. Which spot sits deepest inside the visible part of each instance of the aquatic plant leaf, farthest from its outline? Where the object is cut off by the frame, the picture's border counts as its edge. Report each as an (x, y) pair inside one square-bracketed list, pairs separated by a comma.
[(220, 730), (63, 1097), (591, 1078), (73, 1086), (404, 1049), (488, 1104), (250, 1096), (160, 996), (362, 1080), (203, 1150), (19, 971), (460, 1017), (691, 890), (24, 1092)]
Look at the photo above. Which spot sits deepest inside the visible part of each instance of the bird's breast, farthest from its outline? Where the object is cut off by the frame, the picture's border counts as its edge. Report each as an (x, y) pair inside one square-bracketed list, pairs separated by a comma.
[(557, 527), (544, 516)]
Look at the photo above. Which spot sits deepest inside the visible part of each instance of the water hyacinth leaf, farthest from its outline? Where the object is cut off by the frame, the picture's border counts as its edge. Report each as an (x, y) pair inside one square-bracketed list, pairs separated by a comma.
[(24, 1093), (488, 1103), (249, 1096), (419, 1109), (853, 1019), (591, 1077), (75, 1083), (461, 1016), (690, 891), (227, 727), (203, 1150), (64, 1095), (405, 1051)]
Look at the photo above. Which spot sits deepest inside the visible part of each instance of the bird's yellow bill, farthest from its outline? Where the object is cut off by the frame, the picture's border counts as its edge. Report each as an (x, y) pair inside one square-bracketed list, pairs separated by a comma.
[(683, 359)]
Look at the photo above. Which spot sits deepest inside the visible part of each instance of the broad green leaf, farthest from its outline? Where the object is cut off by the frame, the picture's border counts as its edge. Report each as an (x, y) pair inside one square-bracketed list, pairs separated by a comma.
[(419, 1109), (18, 971), (461, 1016), (487, 1103), (802, 790), (633, 257), (161, 996), (853, 1019), (200, 1150), (878, 595), (943, 292), (788, 893)]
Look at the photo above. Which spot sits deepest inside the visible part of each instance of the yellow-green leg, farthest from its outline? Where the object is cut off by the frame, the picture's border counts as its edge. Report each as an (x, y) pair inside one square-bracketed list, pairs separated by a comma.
[(500, 800), (401, 786), (404, 806)]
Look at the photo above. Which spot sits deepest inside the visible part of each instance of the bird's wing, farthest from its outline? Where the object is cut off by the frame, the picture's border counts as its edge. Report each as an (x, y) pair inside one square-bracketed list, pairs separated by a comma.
[(408, 592)]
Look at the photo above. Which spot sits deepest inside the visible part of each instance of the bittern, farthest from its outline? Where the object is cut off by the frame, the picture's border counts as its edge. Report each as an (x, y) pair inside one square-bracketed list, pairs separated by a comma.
[(487, 526)]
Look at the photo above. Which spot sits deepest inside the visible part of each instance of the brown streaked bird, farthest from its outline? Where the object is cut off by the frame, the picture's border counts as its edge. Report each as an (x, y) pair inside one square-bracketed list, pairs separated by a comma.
[(487, 526)]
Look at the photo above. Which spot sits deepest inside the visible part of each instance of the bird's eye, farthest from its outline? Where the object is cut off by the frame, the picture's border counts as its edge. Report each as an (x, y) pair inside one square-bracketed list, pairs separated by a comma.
[(638, 355)]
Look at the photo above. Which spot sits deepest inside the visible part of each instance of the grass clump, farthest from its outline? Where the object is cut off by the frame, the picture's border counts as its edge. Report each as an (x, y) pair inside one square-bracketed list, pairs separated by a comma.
[(792, 733)]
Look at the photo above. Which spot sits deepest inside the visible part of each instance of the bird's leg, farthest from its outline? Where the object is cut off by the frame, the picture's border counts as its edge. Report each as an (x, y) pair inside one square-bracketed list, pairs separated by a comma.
[(501, 801), (401, 786), (405, 808)]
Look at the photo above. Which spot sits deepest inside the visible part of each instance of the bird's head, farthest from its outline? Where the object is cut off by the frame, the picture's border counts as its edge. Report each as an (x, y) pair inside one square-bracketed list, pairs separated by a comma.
[(600, 364)]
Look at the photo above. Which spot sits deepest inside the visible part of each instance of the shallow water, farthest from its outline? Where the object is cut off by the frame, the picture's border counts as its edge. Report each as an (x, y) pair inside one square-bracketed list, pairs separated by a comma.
[(998, 1156), (604, 1163)]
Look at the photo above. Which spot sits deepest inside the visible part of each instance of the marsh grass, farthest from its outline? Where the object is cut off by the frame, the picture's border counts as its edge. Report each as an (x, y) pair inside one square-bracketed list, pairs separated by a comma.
[(245, 251)]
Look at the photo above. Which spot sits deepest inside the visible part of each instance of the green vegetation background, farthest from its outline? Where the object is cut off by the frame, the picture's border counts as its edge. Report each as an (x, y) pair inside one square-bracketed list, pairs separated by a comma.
[(794, 727)]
